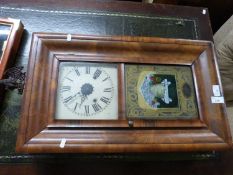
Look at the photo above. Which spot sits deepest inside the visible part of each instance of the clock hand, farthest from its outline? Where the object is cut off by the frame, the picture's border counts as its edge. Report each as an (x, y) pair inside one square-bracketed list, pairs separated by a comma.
[(75, 95), (83, 98), (86, 90), (71, 99)]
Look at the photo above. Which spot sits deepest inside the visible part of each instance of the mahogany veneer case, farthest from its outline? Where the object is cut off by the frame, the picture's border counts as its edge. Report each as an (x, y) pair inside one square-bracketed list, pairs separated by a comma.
[(200, 126)]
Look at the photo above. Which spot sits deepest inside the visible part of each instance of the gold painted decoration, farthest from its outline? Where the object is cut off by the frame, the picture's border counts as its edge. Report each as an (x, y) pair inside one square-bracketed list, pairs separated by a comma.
[(160, 92)]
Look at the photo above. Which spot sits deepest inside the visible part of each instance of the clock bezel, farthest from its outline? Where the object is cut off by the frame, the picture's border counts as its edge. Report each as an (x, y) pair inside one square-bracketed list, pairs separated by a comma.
[(40, 132)]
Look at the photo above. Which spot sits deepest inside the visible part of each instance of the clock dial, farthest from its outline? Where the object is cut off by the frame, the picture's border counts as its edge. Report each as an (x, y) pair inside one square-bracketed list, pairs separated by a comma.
[(87, 91)]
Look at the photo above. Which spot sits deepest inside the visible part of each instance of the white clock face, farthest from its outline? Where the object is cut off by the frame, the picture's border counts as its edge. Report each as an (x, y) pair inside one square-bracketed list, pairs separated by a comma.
[(87, 91)]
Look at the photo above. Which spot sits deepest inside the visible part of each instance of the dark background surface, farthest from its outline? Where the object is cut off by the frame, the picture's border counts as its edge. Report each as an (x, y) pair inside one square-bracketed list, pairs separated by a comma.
[(219, 11), (118, 18)]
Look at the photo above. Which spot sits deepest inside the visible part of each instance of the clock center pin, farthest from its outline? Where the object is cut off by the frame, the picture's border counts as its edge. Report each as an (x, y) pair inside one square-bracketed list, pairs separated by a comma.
[(87, 89)]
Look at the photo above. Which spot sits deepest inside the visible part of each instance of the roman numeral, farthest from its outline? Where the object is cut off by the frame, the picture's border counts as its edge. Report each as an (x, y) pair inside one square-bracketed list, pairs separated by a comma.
[(88, 69), (69, 79), (65, 88), (107, 89), (87, 109), (66, 100), (77, 71), (75, 106), (97, 74), (105, 100), (96, 107)]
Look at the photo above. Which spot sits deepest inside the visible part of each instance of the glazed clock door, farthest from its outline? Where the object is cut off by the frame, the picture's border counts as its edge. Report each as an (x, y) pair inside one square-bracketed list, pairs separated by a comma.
[(87, 91)]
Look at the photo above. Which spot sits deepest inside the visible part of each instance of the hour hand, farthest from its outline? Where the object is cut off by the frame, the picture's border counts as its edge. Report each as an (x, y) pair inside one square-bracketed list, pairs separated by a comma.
[(70, 99)]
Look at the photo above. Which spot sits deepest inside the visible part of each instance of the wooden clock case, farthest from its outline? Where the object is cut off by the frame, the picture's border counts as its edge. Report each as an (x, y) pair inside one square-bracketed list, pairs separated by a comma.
[(9, 49), (13, 41), (39, 132)]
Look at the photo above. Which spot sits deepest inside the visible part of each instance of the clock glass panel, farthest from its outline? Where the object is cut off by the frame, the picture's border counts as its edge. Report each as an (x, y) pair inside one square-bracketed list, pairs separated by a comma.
[(87, 91), (4, 33), (160, 92)]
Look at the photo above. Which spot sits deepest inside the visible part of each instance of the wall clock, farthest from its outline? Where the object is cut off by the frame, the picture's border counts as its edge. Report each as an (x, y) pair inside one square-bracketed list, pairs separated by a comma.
[(10, 34), (95, 94), (11, 31)]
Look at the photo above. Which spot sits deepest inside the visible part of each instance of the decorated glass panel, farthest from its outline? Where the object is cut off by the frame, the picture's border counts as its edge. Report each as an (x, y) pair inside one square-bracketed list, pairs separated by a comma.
[(160, 92)]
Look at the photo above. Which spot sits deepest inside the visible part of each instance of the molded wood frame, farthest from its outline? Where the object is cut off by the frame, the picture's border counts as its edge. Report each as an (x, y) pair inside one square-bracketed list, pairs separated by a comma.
[(39, 132), (12, 45)]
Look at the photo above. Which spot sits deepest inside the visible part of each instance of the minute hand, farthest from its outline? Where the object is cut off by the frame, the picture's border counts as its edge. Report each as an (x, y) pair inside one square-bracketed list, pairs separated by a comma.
[(83, 98)]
